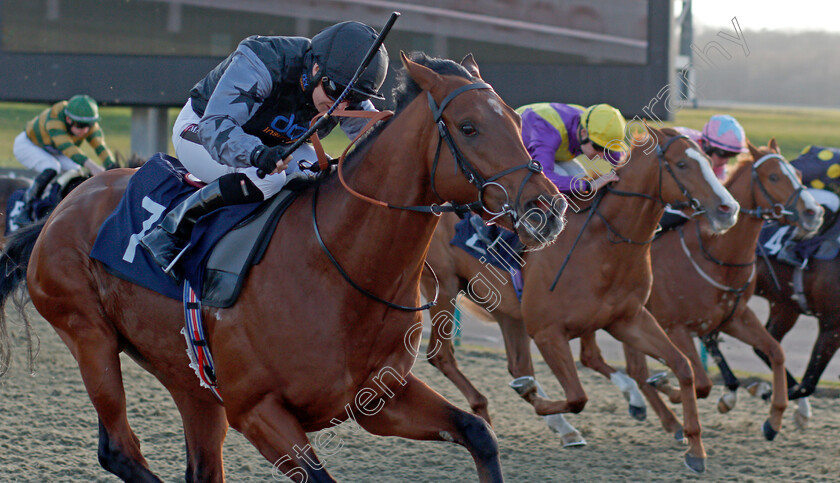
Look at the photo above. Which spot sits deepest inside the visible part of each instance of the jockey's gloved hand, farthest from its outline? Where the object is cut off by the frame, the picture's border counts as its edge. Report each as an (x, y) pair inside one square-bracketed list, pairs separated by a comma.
[(266, 159)]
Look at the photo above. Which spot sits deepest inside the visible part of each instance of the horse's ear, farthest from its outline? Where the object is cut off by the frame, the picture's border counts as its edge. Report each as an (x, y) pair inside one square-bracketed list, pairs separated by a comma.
[(773, 145), (468, 62), (424, 77), (656, 133), (753, 151)]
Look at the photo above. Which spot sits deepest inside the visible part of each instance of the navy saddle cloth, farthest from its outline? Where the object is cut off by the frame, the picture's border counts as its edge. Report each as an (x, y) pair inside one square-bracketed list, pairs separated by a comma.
[(823, 246), (496, 246), (153, 191)]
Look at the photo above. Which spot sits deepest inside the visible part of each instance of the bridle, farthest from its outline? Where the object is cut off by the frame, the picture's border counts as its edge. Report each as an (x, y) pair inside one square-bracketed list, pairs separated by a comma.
[(467, 169), (778, 210), (617, 237), (691, 201), (473, 176)]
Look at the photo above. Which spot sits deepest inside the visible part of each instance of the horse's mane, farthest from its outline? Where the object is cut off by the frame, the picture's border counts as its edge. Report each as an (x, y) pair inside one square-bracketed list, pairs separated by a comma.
[(406, 90), (743, 163)]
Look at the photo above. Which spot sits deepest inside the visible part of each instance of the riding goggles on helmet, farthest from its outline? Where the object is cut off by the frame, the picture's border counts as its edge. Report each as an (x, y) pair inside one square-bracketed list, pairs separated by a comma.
[(333, 90), (609, 154), (721, 153)]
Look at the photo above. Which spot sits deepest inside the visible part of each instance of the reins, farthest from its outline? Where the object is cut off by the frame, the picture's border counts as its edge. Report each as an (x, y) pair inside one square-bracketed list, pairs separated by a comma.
[(777, 211), (467, 169), (355, 285), (619, 238)]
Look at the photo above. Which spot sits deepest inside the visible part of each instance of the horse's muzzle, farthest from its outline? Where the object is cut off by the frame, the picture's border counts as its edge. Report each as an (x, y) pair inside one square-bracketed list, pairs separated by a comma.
[(723, 216), (542, 221)]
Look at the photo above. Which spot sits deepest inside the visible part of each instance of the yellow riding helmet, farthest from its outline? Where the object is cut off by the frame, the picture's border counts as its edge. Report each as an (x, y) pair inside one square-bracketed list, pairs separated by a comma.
[(605, 126)]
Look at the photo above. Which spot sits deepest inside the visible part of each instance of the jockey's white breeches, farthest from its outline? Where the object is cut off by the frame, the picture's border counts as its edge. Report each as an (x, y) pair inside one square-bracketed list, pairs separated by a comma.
[(39, 159), (199, 162)]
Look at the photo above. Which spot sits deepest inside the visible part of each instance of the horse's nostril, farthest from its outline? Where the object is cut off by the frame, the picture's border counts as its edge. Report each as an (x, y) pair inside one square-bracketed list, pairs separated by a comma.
[(811, 212), (724, 208)]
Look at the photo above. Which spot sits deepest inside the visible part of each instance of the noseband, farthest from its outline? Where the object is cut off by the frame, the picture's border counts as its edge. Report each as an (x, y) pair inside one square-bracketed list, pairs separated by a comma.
[(778, 210)]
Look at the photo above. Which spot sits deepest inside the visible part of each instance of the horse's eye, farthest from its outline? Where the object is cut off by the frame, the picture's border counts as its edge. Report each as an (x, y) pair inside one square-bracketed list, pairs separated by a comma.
[(468, 129), (681, 164), (774, 177)]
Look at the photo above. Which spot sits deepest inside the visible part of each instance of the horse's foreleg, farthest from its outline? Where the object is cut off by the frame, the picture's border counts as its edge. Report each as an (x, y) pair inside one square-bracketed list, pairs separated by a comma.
[(643, 333), (205, 427), (554, 347), (638, 370), (727, 401), (417, 412), (827, 343), (591, 357), (280, 438), (97, 354), (441, 354), (783, 317), (520, 366), (749, 330), (685, 343)]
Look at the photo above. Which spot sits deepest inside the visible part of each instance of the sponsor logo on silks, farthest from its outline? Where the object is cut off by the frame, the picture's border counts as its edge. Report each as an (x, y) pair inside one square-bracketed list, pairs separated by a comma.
[(283, 127)]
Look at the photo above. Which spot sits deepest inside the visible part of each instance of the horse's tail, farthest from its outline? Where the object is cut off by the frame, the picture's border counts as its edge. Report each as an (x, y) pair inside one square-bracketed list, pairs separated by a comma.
[(13, 262)]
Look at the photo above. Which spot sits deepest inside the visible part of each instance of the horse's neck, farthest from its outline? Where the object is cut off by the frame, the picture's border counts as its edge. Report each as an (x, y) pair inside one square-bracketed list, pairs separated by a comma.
[(634, 217), (384, 246)]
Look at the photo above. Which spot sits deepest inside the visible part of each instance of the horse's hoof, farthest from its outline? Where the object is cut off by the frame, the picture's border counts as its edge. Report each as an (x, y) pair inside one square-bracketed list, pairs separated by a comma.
[(726, 401), (637, 413), (679, 436), (800, 421), (695, 464), (572, 440), (769, 432), (658, 380), (761, 389)]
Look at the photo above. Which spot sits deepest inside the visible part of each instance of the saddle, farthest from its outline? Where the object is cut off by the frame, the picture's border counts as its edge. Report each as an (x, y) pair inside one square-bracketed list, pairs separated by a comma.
[(224, 243)]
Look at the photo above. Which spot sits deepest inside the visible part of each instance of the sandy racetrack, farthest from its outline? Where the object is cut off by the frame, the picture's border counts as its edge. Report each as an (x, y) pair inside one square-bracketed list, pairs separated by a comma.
[(48, 432)]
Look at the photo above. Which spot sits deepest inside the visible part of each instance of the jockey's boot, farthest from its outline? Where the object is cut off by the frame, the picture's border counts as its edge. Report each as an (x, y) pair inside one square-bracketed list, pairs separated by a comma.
[(33, 193), (787, 254), (167, 240)]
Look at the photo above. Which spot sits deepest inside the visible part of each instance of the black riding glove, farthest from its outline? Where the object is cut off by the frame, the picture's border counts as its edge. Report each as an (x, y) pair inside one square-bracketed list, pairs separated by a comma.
[(265, 158)]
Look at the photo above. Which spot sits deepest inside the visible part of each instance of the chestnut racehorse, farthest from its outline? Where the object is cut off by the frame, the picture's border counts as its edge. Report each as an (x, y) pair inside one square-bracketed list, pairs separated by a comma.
[(606, 280), (820, 282), (702, 281), (303, 349)]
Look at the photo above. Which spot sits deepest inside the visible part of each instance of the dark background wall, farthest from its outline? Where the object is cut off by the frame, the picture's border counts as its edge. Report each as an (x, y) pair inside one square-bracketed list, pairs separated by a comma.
[(164, 80)]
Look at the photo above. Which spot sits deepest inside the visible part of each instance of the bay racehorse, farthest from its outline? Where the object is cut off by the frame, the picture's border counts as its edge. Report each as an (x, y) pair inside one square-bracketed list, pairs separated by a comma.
[(702, 280), (817, 297), (606, 279), (303, 349)]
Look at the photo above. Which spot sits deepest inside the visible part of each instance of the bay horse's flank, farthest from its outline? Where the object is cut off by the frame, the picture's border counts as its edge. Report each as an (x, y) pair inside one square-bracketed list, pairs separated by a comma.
[(302, 345), (702, 281), (604, 285)]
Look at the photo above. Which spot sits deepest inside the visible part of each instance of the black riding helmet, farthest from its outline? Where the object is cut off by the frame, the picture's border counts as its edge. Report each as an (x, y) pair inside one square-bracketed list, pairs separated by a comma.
[(339, 51)]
